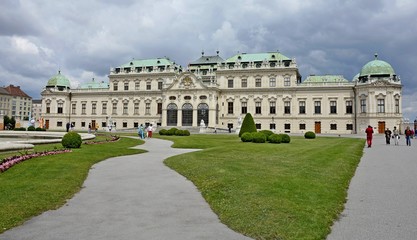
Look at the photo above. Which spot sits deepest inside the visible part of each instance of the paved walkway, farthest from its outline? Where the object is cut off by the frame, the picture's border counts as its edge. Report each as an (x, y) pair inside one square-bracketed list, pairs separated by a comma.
[(382, 197), (130, 197)]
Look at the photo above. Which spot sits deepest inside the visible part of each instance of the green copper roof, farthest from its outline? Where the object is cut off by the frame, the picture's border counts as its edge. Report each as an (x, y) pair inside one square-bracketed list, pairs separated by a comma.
[(377, 67), (94, 85), (326, 79), (207, 60), (58, 81), (257, 57), (148, 63)]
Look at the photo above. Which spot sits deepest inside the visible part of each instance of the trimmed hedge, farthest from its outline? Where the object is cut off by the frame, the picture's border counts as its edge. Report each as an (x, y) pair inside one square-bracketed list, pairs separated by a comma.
[(267, 133), (174, 132), (31, 128), (309, 135), (246, 137), (275, 138), (285, 138), (258, 137), (40, 129), (71, 140), (248, 125), (19, 129)]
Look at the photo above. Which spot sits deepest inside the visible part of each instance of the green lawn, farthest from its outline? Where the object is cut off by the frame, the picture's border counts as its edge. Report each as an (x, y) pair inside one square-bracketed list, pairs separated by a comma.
[(40, 184), (271, 191)]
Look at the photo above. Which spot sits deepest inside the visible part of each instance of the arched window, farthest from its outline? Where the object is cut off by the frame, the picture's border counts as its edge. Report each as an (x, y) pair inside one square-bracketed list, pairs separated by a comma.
[(203, 113), (172, 114), (187, 114)]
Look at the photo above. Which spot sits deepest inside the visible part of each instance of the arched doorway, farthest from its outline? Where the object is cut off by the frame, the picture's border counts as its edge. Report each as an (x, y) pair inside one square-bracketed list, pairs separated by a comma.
[(172, 114), (187, 114), (203, 113)]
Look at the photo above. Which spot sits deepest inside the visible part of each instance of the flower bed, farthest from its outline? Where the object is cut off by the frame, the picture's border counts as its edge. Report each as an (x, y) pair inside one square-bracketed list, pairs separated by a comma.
[(112, 139), (11, 161)]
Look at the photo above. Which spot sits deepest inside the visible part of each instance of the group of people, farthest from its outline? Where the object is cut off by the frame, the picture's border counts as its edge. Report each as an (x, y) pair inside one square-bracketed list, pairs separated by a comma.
[(394, 134), (145, 131)]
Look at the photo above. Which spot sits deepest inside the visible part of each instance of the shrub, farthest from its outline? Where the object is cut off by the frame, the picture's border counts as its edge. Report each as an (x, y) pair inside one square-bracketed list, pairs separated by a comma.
[(19, 129), (186, 133), (310, 135), (285, 138), (275, 138), (172, 131), (246, 137), (258, 137), (31, 128), (248, 125), (71, 140), (40, 129), (267, 133), (163, 132)]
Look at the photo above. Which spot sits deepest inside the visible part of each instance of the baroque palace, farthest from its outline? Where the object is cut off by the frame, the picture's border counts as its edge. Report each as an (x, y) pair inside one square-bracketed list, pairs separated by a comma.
[(220, 92)]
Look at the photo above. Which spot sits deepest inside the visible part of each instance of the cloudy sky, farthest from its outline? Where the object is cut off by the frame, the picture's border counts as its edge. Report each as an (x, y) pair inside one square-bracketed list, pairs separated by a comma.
[(85, 38)]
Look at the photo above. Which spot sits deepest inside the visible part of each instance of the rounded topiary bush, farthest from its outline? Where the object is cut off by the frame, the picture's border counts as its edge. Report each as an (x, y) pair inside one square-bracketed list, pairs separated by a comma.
[(40, 129), (186, 133), (258, 137), (163, 132), (19, 129), (310, 135), (285, 138), (246, 137), (31, 128), (275, 138), (71, 140), (172, 131), (267, 133)]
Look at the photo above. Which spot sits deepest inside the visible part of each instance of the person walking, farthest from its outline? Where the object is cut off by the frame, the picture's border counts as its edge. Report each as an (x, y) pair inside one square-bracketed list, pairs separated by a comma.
[(149, 129), (140, 131), (407, 134), (395, 135), (388, 136), (89, 128), (369, 133)]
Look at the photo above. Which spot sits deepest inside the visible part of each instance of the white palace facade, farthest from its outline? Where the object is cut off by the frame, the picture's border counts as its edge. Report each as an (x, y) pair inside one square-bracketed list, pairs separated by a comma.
[(218, 92)]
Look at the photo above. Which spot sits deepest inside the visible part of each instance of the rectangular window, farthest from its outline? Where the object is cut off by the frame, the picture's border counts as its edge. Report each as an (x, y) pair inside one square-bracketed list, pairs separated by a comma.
[(302, 126), (244, 107), (272, 82), (272, 126), (48, 108), (317, 107), (244, 83), (258, 126), (258, 82), (287, 126), (148, 108), (125, 108), (287, 81), (59, 124), (258, 108), (114, 108), (83, 108), (381, 105), (103, 124), (104, 108), (302, 107), (148, 85), (135, 124), (397, 106), (230, 83), (126, 86), (159, 108), (93, 108), (124, 124), (287, 107), (73, 108), (349, 108), (272, 107), (159, 85), (230, 107), (333, 126), (60, 107), (137, 86), (115, 86), (82, 124), (333, 107), (349, 126), (363, 105), (136, 108)]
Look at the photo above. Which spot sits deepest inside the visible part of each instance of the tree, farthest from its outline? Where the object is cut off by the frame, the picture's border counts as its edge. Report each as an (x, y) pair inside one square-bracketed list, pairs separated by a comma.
[(248, 125)]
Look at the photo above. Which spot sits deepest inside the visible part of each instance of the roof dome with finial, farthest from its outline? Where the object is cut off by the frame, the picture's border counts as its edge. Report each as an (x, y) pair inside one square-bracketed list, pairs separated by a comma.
[(376, 67), (58, 80)]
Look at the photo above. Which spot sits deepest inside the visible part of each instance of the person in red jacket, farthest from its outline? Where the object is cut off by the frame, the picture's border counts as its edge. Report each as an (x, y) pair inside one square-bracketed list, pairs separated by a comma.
[(369, 131)]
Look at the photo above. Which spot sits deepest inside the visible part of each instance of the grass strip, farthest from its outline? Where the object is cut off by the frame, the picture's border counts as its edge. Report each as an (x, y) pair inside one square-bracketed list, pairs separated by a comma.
[(271, 191), (45, 183)]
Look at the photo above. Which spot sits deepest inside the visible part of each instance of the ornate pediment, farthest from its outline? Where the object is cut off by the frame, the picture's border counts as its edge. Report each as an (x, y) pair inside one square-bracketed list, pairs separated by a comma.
[(380, 82)]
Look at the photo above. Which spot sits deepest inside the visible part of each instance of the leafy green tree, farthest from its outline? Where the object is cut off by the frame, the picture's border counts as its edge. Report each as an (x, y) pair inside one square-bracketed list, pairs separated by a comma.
[(248, 125), (13, 122)]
